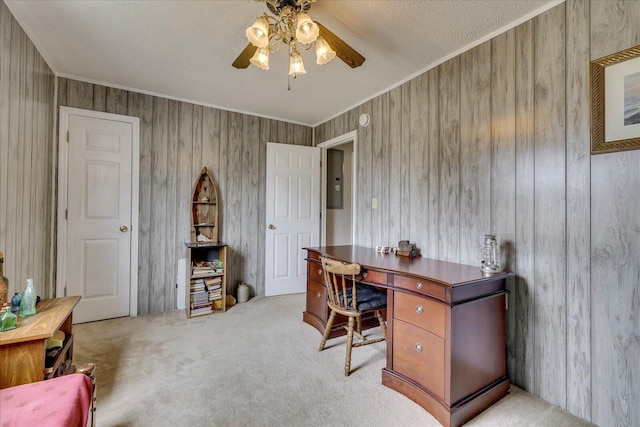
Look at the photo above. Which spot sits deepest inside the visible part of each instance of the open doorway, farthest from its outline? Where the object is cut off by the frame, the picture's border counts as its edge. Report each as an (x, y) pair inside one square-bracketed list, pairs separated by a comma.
[(339, 193)]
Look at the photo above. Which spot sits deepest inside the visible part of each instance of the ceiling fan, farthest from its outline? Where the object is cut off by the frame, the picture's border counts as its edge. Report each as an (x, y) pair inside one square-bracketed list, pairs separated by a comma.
[(291, 26)]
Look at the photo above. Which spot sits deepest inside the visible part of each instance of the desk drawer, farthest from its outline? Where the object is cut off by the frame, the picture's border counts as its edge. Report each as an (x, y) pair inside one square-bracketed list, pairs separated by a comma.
[(315, 272), (375, 277), (421, 286), (419, 355), (317, 299), (423, 312)]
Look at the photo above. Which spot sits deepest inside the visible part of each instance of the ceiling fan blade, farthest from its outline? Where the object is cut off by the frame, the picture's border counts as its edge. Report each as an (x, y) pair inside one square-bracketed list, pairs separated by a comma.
[(242, 61), (343, 50)]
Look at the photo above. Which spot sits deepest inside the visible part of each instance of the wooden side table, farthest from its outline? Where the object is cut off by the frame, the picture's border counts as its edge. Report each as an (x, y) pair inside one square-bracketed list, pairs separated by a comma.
[(22, 350)]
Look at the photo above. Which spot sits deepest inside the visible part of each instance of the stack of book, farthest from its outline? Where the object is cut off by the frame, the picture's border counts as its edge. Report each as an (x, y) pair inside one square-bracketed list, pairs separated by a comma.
[(200, 302), (214, 286), (199, 297), (196, 285), (201, 269), (206, 285)]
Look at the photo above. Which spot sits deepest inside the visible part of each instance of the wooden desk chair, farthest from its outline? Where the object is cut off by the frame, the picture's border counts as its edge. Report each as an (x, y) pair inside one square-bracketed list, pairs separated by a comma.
[(352, 299)]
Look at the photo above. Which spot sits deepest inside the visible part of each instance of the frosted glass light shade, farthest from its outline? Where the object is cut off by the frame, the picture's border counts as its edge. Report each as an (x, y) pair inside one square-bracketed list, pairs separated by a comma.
[(306, 30), (295, 64), (258, 33), (324, 53), (261, 58)]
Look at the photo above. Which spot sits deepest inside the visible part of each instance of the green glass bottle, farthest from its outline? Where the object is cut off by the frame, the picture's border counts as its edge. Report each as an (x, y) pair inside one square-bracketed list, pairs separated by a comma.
[(28, 300), (8, 320)]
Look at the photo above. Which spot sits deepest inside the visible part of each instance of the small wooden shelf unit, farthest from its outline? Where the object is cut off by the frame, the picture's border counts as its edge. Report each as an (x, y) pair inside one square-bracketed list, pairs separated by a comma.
[(206, 278), (204, 209), (22, 350), (206, 257)]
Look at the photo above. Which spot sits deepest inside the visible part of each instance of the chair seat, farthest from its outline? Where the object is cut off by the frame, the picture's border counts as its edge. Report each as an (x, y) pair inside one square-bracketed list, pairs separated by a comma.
[(369, 298)]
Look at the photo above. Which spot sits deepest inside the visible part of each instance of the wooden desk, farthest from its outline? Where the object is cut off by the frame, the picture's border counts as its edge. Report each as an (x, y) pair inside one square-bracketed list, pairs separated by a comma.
[(22, 350), (446, 328)]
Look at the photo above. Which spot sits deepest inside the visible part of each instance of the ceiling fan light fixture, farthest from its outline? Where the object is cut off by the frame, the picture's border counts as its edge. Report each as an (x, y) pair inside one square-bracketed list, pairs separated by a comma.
[(261, 58), (292, 27), (258, 33), (306, 30), (324, 53), (296, 67)]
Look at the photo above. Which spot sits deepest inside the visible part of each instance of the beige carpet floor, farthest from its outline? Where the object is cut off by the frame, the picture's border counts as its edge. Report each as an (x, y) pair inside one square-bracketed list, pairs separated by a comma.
[(256, 365)]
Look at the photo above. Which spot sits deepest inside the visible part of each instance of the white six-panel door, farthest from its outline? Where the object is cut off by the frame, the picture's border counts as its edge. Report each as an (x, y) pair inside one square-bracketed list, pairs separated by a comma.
[(293, 215), (96, 253)]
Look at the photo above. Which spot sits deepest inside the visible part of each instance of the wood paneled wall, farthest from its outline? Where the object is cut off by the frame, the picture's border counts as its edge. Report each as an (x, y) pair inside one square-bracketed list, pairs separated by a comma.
[(26, 159), (497, 140), (615, 247), (177, 139), (494, 140)]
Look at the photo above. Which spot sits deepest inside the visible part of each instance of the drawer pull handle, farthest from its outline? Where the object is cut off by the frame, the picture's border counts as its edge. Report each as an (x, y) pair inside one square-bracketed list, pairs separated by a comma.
[(319, 272), (419, 285), (318, 295), (365, 274), (419, 309), (419, 348)]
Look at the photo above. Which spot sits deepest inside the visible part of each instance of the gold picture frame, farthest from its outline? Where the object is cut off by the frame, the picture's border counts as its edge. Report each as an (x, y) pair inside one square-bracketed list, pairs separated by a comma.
[(615, 102)]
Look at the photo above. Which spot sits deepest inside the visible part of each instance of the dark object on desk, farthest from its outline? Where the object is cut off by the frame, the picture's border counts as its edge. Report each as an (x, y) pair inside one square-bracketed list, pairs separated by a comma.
[(406, 249), (404, 245), (410, 254), (349, 298)]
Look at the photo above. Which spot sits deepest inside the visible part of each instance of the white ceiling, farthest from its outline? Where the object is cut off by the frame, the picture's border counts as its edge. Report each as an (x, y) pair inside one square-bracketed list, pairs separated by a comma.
[(184, 49)]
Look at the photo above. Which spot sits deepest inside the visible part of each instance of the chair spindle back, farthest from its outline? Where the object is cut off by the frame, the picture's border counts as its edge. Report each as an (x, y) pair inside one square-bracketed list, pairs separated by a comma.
[(338, 275)]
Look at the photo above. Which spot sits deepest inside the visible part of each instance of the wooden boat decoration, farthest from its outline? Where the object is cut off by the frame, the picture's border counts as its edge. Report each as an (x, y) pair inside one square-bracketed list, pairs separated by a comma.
[(204, 209)]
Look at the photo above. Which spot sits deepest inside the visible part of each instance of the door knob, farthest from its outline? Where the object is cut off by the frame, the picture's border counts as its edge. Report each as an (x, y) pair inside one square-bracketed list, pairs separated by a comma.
[(124, 228), (271, 227)]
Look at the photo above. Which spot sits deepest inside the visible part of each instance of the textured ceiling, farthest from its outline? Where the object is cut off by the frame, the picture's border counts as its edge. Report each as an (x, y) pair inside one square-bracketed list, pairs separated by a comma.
[(184, 49)]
